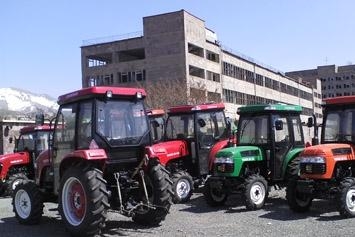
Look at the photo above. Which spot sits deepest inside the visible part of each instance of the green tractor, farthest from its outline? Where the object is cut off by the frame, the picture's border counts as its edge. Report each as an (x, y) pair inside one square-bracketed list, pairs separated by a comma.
[(269, 139)]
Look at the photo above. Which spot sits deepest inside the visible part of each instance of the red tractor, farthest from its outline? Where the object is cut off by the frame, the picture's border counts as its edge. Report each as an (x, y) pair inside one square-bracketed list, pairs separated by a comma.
[(100, 158), (20, 165), (193, 134)]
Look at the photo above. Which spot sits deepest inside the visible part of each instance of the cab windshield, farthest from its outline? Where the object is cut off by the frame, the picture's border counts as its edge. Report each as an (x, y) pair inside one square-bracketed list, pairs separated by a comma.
[(121, 122), (253, 130), (339, 126)]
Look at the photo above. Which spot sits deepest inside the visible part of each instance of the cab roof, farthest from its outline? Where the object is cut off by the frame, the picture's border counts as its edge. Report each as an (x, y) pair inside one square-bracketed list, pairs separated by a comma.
[(100, 91), (340, 100), (195, 108), (155, 112), (269, 108), (32, 128)]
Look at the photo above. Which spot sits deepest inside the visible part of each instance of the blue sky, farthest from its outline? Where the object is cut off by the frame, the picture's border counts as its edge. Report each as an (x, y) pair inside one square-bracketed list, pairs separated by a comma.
[(40, 40)]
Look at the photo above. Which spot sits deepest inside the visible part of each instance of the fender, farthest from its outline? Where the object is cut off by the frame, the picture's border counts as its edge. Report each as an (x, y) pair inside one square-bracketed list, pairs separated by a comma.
[(292, 154), (167, 151), (213, 151), (15, 159), (42, 162)]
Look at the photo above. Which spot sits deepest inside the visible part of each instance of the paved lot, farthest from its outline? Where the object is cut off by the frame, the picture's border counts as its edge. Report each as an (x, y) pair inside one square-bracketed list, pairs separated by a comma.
[(197, 219)]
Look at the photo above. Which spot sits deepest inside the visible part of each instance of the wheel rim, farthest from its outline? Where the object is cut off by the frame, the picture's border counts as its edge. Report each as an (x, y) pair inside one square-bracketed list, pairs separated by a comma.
[(23, 204), (350, 200), (74, 201), (257, 193), (183, 188)]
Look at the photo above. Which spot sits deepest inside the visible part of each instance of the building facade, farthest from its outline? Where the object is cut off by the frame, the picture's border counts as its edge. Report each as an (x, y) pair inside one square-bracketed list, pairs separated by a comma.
[(336, 80), (178, 46)]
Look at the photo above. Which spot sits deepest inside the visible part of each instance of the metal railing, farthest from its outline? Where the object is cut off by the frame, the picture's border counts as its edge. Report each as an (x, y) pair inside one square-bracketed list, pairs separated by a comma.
[(112, 38)]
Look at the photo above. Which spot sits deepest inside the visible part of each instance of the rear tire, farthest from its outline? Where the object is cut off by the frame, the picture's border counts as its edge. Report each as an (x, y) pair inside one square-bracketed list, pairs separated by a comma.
[(256, 192), (346, 197), (159, 191), (27, 203), (298, 202), (182, 186), (214, 193), (83, 200), (13, 181)]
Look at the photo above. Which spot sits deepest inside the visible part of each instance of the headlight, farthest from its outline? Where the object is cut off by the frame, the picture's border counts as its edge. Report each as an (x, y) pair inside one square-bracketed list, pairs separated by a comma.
[(312, 159), (223, 160)]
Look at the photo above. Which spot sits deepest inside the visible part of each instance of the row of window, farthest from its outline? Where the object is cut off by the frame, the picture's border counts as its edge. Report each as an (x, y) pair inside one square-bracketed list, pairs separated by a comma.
[(337, 78), (240, 98), (338, 86), (122, 77), (246, 75), (330, 95)]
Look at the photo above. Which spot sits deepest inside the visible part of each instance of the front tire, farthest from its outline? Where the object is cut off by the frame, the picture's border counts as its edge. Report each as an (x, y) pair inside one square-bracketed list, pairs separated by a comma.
[(182, 186), (256, 192), (346, 197), (160, 194), (27, 203), (214, 193), (83, 200)]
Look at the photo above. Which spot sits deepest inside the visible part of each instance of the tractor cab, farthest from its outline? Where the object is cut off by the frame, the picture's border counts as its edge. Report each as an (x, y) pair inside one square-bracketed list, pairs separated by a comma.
[(34, 139), (201, 126), (157, 123), (273, 130)]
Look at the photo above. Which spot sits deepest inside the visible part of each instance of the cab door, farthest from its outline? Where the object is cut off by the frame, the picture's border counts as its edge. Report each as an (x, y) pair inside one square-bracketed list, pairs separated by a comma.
[(281, 144), (63, 139)]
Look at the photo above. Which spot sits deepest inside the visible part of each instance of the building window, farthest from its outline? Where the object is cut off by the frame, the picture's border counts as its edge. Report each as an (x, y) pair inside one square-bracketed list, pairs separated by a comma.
[(193, 49), (196, 71), (99, 60), (131, 55), (212, 56), (213, 76)]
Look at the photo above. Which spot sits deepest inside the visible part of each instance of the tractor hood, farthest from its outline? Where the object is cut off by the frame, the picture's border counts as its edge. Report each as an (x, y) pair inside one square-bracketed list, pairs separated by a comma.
[(319, 161), (169, 150), (9, 160), (229, 161), (329, 150)]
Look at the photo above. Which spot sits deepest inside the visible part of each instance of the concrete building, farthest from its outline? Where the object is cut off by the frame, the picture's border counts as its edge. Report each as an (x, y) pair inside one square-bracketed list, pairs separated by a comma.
[(336, 80), (178, 46)]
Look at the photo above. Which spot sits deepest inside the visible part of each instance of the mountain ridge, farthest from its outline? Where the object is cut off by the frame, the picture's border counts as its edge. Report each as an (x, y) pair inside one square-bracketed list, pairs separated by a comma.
[(15, 102)]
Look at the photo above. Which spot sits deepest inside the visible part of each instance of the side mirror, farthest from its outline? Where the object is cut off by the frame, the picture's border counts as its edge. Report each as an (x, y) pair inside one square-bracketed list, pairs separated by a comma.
[(279, 125), (201, 122), (155, 123), (39, 119), (310, 122)]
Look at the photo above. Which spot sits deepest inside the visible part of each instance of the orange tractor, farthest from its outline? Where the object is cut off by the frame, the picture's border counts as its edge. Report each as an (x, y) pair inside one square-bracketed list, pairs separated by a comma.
[(327, 171)]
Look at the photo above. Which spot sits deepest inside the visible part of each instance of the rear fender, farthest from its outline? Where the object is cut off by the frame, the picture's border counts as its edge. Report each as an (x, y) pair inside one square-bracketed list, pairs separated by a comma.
[(289, 157), (97, 156), (11, 160), (167, 151), (213, 151)]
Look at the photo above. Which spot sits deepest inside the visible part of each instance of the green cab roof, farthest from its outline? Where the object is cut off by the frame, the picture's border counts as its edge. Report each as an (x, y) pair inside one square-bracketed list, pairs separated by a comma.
[(269, 108)]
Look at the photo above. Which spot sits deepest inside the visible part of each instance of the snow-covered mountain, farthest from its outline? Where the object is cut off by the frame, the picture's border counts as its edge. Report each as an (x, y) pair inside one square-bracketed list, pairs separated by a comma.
[(25, 102)]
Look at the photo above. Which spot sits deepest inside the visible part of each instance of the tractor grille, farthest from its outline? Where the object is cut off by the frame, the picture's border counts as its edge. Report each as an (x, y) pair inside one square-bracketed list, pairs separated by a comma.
[(312, 168), (224, 168)]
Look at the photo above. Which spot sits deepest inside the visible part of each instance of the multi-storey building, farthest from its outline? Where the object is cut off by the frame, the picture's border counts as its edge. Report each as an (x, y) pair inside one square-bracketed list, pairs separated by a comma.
[(336, 80), (178, 46)]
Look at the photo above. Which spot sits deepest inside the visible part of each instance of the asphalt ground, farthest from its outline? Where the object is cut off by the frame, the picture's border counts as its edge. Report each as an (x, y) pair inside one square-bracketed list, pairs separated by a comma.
[(196, 218)]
